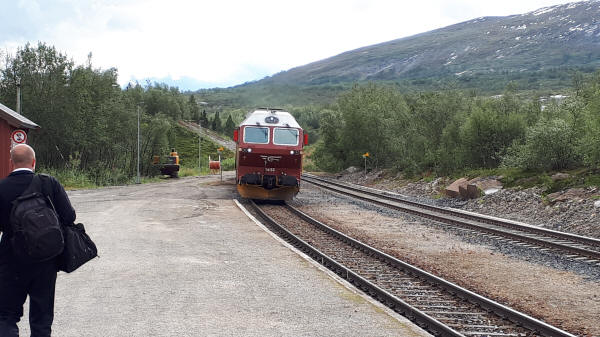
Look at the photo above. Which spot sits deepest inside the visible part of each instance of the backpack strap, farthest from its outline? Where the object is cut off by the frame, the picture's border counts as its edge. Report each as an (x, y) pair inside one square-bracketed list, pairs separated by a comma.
[(40, 183), (34, 186), (46, 188)]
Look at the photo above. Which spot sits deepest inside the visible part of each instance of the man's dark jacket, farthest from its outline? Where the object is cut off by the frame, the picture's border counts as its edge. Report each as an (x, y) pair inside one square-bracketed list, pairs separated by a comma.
[(12, 187)]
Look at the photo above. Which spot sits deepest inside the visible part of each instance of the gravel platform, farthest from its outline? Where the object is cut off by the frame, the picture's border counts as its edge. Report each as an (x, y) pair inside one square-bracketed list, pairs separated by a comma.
[(179, 258)]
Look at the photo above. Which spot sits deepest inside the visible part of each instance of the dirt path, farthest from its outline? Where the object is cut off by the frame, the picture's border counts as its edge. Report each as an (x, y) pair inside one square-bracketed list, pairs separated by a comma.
[(215, 137)]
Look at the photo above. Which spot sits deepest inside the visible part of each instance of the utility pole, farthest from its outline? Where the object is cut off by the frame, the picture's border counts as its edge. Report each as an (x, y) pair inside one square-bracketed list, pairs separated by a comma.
[(18, 95), (137, 180), (199, 148)]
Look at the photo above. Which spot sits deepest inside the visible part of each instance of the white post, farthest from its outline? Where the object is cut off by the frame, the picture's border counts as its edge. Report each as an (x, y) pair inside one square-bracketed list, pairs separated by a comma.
[(137, 180)]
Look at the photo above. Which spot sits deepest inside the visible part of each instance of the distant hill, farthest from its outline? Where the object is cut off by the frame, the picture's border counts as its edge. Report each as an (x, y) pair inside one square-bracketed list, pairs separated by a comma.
[(539, 50)]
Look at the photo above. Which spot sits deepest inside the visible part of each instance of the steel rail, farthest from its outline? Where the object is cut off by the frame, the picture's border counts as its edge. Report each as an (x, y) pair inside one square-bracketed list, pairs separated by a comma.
[(469, 220), (460, 213), (393, 301), (385, 297)]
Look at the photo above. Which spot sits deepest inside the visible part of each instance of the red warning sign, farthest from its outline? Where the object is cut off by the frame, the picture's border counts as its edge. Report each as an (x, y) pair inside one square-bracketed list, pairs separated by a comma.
[(18, 136)]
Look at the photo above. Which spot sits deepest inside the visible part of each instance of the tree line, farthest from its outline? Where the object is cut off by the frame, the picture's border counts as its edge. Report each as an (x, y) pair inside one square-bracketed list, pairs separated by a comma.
[(450, 131), (88, 122)]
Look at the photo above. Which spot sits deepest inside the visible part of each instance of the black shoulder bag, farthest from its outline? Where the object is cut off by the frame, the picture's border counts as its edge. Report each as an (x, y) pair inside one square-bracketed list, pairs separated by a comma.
[(79, 248)]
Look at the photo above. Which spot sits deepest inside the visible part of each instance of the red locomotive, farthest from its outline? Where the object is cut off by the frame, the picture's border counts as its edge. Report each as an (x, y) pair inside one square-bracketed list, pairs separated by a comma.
[(268, 159)]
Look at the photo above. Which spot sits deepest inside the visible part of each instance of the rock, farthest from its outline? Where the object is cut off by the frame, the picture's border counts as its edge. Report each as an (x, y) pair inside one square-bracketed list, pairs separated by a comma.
[(492, 190), (436, 183), (473, 191), (597, 204), (475, 188), (560, 176), (554, 196), (462, 191), (352, 169), (487, 184), (453, 189), (568, 195)]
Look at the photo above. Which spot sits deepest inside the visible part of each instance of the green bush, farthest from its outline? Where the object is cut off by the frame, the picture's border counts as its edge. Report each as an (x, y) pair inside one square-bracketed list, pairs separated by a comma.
[(228, 164), (590, 144), (487, 133), (548, 145)]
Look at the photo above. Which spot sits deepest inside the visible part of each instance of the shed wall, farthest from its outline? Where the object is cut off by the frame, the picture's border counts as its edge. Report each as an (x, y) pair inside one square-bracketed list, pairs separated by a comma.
[(5, 131)]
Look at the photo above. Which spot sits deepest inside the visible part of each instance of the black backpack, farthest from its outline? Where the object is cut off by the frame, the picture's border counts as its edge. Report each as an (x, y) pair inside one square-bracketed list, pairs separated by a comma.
[(36, 230)]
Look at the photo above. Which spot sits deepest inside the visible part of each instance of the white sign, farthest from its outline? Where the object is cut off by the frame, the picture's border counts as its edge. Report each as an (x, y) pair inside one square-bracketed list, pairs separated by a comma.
[(19, 136)]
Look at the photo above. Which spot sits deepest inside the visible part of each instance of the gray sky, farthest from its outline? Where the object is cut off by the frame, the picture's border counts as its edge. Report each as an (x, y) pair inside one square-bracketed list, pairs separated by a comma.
[(198, 44)]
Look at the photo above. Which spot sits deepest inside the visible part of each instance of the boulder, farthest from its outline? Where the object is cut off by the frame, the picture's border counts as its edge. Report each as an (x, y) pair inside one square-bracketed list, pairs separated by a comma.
[(576, 194), (597, 204), (480, 186), (473, 191), (560, 176), (453, 189), (462, 191), (487, 184)]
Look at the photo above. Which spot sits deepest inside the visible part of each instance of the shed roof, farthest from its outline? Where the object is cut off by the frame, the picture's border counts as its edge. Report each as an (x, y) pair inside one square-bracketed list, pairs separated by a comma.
[(15, 119)]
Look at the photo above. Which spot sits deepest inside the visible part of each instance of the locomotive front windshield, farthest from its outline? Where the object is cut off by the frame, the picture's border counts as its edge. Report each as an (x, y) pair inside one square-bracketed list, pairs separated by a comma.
[(256, 135), (285, 136)]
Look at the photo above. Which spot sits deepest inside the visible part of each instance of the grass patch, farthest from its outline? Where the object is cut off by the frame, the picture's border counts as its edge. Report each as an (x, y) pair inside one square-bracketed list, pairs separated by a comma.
[(70, 178), (73, 179), (592, 179), (188, 171), (473, 173)]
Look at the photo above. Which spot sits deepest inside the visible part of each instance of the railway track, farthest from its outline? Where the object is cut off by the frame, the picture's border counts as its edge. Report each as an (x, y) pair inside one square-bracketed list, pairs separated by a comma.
[(439, 306), (573, 246)]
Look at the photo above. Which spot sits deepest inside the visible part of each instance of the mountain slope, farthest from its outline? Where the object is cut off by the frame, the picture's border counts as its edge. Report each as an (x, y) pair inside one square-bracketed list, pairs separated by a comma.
[(538, 50), (559, 36)]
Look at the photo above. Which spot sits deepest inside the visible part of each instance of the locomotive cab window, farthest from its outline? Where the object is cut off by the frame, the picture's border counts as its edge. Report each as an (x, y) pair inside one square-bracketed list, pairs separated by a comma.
[(256, 135), (285, 136)]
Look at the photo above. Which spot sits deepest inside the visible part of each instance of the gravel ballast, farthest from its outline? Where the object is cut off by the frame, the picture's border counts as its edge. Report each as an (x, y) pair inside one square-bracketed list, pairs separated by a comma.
[(577, 212), (560, 291)]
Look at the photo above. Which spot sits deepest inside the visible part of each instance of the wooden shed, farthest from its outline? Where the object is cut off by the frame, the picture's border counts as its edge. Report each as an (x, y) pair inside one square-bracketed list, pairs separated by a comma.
[(10, 121)]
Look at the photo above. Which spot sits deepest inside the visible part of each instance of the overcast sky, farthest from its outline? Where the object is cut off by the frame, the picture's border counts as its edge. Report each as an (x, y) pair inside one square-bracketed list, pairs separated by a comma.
[(199, 44)]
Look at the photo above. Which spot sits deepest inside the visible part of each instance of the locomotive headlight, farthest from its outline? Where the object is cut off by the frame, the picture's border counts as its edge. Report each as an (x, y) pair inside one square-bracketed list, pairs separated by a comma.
[(249, 150), (295, 152), (292, 152)]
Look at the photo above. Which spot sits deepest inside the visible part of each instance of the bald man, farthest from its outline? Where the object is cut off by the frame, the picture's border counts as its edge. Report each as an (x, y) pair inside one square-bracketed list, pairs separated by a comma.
[(19, 280)]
